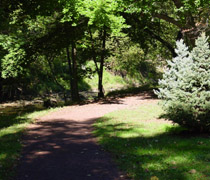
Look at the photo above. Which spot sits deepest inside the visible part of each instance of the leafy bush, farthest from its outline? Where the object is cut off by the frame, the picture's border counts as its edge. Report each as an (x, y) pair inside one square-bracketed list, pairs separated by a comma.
[(185, 87), (132, 63)]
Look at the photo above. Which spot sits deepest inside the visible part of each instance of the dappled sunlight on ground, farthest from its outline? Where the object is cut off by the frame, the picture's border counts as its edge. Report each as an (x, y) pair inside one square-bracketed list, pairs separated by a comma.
[(145, 146), (61, 145)]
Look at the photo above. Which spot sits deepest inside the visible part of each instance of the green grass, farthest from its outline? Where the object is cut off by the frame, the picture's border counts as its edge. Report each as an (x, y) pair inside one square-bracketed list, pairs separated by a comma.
[(13, 122), (109, 81), (149, 148)]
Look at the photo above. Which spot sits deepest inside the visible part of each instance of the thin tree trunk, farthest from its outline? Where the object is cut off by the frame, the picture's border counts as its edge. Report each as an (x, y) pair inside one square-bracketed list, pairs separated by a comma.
[(53, 72), (1, 88), (75, 97), (1, 84), (93, 51), (70, 71), (72, 63), (100, 74)]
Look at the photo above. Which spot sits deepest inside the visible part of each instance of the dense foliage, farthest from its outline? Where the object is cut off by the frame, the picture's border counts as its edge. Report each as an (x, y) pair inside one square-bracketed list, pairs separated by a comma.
[(45, 46), (185, 87)]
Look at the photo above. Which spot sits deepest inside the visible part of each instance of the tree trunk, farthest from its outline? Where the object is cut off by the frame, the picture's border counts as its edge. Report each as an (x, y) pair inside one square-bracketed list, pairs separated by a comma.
[(73, 73), (1, 88), (93, 51), (75, 96), (100, 73), (70, 70), (52, 72)]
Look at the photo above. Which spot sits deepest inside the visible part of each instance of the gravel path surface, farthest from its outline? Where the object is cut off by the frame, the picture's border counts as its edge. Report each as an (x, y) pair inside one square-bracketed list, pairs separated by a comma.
[(60, 146)]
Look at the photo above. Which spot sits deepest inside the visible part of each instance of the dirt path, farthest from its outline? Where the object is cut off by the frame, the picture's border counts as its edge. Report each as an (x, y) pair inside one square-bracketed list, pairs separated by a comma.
[(61, 146)]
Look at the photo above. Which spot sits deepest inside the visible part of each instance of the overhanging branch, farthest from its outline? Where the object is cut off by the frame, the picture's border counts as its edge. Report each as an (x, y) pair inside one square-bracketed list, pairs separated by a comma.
[(165, 43), (168, 19)]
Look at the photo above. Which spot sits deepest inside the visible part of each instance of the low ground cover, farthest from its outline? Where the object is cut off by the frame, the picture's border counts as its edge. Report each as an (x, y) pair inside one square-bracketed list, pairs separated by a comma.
[(147, 147)]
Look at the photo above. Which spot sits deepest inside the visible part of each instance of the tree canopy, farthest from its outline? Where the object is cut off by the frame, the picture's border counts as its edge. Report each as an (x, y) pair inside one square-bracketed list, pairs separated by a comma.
[(70, 33)]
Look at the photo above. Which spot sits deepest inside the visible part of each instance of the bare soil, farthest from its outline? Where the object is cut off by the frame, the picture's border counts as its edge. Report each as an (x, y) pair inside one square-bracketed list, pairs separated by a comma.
[(60, 145)]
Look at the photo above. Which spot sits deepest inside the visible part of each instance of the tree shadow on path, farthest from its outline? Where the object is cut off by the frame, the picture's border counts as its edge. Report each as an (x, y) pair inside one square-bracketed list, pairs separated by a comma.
[(64, 149)]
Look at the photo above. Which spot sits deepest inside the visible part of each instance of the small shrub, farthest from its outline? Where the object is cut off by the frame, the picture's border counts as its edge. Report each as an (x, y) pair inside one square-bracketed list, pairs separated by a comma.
[(185, 87)]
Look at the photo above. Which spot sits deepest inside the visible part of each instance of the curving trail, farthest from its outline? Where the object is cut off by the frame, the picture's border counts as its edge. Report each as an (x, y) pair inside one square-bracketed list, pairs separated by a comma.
[(60, 146)]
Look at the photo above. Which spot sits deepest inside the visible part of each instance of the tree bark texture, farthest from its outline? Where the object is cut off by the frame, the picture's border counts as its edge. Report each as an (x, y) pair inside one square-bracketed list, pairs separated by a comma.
[(73, 73), (1, 88), (93, 51), (100, 73)]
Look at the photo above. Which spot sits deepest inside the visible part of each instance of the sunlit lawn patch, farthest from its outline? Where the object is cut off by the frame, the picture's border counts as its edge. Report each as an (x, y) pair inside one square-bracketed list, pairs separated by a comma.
[(145, 146)]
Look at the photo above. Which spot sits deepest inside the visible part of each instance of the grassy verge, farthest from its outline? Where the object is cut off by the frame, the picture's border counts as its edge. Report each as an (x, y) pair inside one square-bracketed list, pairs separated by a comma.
[(150, 148), (12, 125)]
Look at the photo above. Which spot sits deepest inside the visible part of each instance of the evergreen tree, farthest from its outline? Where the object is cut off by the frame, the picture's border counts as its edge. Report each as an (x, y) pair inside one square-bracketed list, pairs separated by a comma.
[(185, 87)]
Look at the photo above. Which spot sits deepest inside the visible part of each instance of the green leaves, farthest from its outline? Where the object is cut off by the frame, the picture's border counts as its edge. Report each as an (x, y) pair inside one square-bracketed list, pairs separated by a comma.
[(14, 59), (103, 13), (69, 10), (185, 87)]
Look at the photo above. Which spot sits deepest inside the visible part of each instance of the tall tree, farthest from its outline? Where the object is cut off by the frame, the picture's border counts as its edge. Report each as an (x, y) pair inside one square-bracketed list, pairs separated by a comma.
[(46, 31), (72, 16), (185, 87), (104, 21), (17, 34)]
